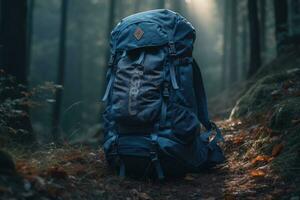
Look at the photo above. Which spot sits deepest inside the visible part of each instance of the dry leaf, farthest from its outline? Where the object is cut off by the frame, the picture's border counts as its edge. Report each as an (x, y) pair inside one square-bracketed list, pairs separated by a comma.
[(188, 177), (277, 149), (257, 173), (144, 196), (261, 158), (239, 138), (57, 172)]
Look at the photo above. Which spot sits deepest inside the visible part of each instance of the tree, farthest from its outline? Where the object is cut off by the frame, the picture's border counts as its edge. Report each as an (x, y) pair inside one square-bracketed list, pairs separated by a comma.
[(233, 70), (177, 6), (137, 6), (294, 22), (245, 47), (262, 28), (31, 5), (255, 59), (281, 24), (161, 3), (13, 39), (110, 25), (226, 24), (13, 56), (61, 73)]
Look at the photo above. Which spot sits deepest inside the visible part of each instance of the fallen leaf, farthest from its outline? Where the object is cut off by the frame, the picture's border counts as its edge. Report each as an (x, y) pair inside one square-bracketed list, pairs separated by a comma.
[(188, 177), (238, 139), (277, 149), (261, 158), (257, 173), (144, 196), (57, 172)]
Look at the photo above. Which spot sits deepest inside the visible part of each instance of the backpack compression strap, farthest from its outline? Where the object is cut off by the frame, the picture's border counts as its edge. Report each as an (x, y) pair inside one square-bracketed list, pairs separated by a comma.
[(202, 109)]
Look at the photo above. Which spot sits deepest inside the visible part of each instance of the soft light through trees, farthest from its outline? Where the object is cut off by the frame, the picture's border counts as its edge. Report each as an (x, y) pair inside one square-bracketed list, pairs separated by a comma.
[(204, 10)]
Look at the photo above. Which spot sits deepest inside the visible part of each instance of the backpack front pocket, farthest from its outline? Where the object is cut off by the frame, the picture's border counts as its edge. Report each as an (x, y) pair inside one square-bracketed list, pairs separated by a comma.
[(136, 98)]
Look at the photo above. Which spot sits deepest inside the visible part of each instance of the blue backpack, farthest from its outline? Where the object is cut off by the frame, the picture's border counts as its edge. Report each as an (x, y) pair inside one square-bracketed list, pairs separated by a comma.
[(155, 100)]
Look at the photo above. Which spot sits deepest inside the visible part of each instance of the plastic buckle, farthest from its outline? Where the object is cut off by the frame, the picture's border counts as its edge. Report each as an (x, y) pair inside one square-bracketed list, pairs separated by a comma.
[(153, 156), (172, 49), (166, 90), (111, 60)]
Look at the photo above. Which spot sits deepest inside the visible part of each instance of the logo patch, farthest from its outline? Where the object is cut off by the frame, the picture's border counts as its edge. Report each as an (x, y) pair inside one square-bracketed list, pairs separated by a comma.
[(138, 34)]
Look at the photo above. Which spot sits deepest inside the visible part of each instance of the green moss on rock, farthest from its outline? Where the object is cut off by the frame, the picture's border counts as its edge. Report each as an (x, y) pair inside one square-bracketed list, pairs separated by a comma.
[(285, 113), (265, 93)]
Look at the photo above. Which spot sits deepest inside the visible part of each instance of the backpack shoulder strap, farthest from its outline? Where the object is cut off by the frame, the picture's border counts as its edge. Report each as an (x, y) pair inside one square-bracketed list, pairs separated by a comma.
[(202, 110)]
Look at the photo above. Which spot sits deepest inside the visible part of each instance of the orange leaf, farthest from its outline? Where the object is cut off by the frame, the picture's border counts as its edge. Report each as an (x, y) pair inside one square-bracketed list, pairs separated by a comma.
[(261, 158), (277, 149), (257, 173)]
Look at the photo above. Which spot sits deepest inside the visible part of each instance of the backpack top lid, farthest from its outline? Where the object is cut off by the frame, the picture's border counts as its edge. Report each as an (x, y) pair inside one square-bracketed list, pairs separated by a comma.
[(154, 28)]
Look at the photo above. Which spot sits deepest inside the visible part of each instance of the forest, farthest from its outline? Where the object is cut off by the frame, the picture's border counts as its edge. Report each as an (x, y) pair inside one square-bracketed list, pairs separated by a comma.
[(54, 55)]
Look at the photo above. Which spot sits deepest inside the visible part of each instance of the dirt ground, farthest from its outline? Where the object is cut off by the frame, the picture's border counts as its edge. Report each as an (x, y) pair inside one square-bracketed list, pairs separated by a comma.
[(82, 173)]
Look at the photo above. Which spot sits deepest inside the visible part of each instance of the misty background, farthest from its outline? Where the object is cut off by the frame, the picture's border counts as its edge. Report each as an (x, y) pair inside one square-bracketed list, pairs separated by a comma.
[(222, 49)]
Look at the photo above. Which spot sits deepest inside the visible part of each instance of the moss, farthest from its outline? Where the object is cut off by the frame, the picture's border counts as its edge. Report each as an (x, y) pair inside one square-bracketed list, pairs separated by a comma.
[(254, 100), (287, 61), (285, 113), (288, 162), (262, 95)]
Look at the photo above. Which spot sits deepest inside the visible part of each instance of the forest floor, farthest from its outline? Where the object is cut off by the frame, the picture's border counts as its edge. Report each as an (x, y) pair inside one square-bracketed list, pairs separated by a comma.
[(261, 146), (81, 172)]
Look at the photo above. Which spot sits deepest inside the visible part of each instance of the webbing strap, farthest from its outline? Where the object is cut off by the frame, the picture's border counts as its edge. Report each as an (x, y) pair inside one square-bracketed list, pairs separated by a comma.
[(109, 85), (165, 95), (122, 171), (201, 97), (154, 157), (202, 107), (173, 74), (141, 58), (122, 168)]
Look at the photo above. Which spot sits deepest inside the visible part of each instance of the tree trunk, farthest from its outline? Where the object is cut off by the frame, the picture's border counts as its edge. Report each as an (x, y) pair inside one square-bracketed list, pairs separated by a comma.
[(13, 22), (255, 59), (281, 24), (161, 3), (61, 73), (137, 6), (233, 72), (294, 22), (110, 26), (177, 6), (245, 48), (13, 39), (262, 5), (226, 25), (31, 5)]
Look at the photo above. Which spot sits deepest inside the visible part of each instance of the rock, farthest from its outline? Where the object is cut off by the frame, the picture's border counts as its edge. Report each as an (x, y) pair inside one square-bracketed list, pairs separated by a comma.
[(265, 93), (285, 113)]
